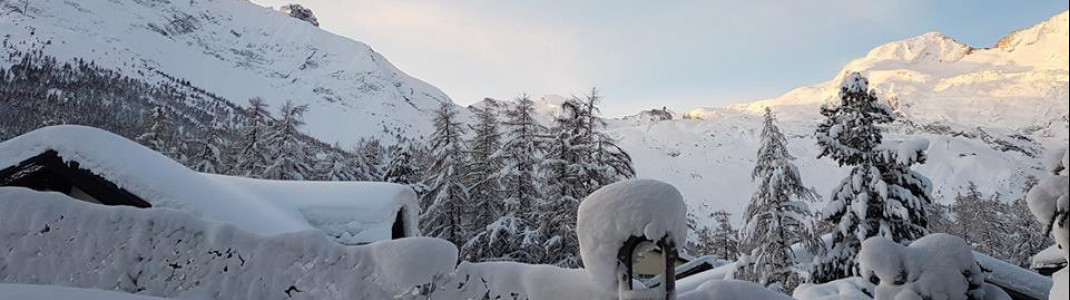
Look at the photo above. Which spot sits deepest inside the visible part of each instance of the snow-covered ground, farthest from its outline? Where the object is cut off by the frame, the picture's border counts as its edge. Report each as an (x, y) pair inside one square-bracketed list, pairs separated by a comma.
[(51, 239), (42, 292)]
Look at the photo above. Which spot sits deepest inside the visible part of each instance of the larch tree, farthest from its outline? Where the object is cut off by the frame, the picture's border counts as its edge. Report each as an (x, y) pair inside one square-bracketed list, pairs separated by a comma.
[(777, 217), (580, 160), (724, 237), (446, 201), (160, 133), (209, 157), (251, 150), (485, 190), (882, 197), (512, 236), (289, 158)]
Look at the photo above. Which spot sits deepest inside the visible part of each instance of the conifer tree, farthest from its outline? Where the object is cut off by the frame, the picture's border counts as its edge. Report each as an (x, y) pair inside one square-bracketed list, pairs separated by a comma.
[(446, 201), (777, 217), (512, 235), (209, 157), (289, 156), (251, 150), (405, 166), (160, 133), (882, 197), (370, 160), (724, 237)]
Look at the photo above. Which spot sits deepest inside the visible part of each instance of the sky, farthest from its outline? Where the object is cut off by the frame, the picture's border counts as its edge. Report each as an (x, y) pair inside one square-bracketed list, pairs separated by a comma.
[(681, 54)]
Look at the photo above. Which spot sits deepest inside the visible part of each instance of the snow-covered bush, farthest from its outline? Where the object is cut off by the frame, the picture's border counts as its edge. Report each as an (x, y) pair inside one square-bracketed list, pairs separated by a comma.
[(301, 13), (1048, 201), (51, 239), (614, 214), (845, 289), (938, 266)]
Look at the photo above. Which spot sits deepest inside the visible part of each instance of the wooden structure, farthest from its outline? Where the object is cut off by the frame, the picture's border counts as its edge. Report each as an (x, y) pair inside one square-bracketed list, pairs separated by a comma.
[(49, 172)]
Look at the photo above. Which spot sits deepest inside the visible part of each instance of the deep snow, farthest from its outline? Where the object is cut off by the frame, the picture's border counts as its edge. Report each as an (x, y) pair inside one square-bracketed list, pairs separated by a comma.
[(349, 212)]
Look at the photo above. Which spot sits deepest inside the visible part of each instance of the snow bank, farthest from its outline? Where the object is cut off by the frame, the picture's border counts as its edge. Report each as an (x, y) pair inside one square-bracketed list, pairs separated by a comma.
[(938, 266), (1061, 291), (51, 239), (1049, 258), (352, 213), (615, 213), (845, 289), (1049, 203), (40, 292), (732, 290), (508, 280)]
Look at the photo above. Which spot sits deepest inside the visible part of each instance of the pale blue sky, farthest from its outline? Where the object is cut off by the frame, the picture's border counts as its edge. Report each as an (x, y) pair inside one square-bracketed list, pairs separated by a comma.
[(643, 54)]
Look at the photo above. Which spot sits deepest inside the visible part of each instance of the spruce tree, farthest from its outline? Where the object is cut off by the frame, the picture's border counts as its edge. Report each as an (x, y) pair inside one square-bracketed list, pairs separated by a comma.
[(881, 197), (370, 160), (405, 166), (777, 217), (289, 156), (335, 166), (446, 201)]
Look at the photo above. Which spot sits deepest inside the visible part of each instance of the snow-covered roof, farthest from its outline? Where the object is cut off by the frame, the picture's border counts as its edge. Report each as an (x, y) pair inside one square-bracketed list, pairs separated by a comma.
[(350, 212)]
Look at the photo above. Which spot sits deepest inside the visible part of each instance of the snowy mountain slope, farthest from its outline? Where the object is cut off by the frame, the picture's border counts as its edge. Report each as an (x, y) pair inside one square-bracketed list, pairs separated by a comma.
[(988, 113), (235, 49)]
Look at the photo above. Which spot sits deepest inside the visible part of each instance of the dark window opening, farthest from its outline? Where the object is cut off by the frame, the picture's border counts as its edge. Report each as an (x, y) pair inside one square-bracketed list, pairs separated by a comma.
[(398, 230)]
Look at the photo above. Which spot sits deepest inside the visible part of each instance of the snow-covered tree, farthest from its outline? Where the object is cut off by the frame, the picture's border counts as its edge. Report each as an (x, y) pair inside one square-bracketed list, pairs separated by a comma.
[(209, 157), (405, 165), (160, 133), (485, 193), (370, 160), (335, 166), (882, 197), (580, 160), (978, 220), (289, 158), (777, 217), (520, 156), (446, 201), (301, 13), (724, 238), (251, 148)]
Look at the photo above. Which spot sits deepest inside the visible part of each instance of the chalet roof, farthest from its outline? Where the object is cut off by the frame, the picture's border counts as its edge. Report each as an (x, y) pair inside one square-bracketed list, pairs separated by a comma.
[(351, 212)]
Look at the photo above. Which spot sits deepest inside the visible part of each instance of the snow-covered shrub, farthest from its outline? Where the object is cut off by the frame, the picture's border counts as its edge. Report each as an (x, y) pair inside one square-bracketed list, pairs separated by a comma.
[(301, 13), (614, 214), (845, 289), (51, 239), (731, 290), (1049, 203), (938, 266)]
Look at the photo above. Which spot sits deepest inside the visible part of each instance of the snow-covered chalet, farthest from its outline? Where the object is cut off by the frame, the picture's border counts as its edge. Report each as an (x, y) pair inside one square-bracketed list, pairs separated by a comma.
[(96, 166)]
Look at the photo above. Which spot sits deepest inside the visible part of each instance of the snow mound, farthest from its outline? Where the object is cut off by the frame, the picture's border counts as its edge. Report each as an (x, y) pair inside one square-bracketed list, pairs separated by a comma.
[(845, 289), (508, 280), (732, 290), (51, 239), (351, 213), (1049, 258), (610, 216), (1061, 291), (938, 266), (41, 292)]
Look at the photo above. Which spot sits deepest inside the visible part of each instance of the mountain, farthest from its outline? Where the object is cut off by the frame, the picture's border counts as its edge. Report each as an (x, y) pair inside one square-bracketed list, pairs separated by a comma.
[(232, 49), (989, 114)]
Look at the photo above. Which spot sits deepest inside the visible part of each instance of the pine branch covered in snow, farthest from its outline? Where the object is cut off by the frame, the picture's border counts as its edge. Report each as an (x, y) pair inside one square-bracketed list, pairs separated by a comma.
[(777, 217)]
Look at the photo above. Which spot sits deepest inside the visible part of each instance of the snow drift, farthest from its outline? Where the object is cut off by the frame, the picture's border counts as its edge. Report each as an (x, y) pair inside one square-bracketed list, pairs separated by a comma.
[(51, 239), (349, 212)]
